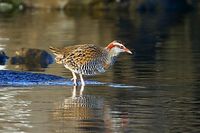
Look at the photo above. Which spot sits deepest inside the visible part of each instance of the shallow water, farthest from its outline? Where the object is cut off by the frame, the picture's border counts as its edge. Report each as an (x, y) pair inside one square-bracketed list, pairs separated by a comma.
[(158, 87)]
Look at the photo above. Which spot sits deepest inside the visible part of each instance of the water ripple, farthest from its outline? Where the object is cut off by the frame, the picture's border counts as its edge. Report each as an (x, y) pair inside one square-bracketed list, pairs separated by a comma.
[(14, 113)]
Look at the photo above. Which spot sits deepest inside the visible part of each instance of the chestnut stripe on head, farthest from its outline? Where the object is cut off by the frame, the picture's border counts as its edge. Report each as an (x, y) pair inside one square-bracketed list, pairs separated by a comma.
[(115, 44)]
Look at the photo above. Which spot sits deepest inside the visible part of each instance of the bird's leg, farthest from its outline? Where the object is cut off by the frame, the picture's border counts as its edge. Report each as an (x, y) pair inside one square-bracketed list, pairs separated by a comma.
[(82, 84), (74, 78)]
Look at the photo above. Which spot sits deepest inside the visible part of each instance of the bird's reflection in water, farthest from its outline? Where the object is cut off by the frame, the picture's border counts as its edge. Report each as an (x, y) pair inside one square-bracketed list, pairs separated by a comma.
[(80, 107), (74, 95), (82, 112)]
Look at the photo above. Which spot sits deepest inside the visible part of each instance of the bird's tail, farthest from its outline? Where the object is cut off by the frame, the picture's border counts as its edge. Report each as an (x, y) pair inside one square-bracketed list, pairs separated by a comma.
[(54, 50), (58, 53)]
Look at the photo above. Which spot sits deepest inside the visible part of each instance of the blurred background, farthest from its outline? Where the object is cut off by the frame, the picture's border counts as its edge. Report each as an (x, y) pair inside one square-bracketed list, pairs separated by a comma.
[(161, 80)]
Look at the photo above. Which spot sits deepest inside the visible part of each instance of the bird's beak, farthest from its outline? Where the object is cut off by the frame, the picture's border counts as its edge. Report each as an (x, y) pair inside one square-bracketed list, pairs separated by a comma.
[(128, 51)]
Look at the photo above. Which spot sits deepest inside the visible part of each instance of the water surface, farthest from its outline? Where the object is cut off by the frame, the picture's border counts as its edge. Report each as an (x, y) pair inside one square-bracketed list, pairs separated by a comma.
[(165, 67)]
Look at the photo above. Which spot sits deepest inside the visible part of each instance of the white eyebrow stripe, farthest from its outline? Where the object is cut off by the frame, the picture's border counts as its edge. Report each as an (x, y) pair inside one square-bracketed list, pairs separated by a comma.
[(116, 43)]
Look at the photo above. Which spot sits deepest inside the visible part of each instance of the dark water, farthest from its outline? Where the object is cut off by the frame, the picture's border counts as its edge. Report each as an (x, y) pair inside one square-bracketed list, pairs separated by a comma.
[(164, 69)]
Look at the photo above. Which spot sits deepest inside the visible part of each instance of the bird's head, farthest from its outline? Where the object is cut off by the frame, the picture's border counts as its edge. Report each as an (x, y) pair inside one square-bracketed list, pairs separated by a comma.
[(116, 47)]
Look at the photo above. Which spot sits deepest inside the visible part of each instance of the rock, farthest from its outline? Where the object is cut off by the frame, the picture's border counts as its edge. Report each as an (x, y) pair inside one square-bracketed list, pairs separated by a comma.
[(3, 58), (15, 78), (32, 59)]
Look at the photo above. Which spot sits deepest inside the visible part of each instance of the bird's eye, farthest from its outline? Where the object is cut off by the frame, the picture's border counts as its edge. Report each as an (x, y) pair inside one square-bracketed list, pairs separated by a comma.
[(121, 47)]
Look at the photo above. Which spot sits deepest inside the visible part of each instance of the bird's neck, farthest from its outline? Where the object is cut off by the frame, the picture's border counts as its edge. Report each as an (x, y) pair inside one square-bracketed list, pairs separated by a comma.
[(111, 57), (113, 52)]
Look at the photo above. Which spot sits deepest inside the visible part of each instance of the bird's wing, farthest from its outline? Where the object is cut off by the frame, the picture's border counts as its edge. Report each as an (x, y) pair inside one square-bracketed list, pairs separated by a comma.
[(82, 54)]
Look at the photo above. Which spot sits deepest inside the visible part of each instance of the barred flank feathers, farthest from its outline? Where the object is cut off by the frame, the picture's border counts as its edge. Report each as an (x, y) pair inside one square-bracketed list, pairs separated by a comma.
[(57, 53)]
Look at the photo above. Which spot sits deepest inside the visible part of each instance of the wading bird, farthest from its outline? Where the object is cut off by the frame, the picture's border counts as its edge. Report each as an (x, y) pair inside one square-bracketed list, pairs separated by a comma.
[(88, 59)]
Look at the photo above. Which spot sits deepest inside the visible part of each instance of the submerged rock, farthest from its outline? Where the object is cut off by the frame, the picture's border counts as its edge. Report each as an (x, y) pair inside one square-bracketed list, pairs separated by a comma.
[(15, 78)]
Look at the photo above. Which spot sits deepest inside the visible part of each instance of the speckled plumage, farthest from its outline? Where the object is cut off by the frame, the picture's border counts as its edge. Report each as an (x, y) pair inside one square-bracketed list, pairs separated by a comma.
[(88, 59)]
